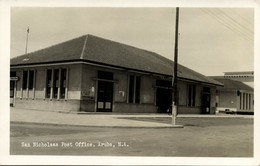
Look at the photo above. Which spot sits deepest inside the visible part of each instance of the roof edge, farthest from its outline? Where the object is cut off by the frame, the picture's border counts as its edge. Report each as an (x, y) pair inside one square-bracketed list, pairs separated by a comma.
[(109, 65)]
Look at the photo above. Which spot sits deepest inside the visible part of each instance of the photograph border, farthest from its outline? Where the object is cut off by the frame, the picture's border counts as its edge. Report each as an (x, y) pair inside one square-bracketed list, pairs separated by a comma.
[(6, 158)]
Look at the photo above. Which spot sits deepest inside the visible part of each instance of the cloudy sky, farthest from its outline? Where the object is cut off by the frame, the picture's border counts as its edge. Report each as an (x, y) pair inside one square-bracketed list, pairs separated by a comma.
[(211, 40)]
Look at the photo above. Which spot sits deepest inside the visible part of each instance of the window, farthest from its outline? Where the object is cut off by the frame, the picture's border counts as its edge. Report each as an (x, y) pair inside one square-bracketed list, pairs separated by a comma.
[(56, 82), (28, 81), (31, 79), (191, 95), (137, 89), (134, 89), (63, 83), (25, 77), (48, 83), (131, 89)]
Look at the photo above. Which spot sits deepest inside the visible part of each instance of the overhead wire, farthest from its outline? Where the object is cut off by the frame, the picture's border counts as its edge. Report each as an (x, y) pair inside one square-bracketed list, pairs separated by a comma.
[(243, 19), (237, 29), (226, 23), (243, 29), (235, 21), (229, 23)]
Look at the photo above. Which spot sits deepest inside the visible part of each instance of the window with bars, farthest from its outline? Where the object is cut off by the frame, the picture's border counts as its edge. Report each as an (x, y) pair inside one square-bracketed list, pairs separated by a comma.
[(31, 79), (48, 83), (28, 80), (63, 83), (25, 79), (134, 89), (56, 82), (191, 95)]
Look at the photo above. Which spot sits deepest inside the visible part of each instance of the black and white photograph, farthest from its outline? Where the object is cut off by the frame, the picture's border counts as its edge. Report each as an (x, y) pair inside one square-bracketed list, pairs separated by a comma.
[(152, 81)]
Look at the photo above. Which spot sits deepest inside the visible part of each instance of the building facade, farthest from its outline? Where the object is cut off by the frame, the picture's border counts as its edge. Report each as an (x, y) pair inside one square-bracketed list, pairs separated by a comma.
[(92, 74), (247, 77), (234, 96)]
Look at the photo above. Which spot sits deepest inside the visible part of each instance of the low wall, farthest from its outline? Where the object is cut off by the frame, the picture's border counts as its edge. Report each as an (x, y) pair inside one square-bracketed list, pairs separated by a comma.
[(193, 110), (135, 108), (189, 110), (49, 105), (87, 106)]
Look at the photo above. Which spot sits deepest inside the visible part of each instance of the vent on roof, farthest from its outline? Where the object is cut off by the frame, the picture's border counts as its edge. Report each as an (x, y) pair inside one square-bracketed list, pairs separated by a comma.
[(25, 59)]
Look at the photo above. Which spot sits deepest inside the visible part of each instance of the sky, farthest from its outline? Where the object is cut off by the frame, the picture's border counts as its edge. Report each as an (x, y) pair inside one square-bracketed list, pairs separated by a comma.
[(211, 40)]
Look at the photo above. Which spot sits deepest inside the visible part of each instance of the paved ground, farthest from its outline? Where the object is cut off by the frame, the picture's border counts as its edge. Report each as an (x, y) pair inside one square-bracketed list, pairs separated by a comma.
[(202, 136), (98, 119)]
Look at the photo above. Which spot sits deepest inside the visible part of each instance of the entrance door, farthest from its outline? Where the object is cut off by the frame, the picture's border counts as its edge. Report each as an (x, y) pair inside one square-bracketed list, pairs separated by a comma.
[(12, 93), (205, 103), (163, 95), (205, 100), (163, 99), (105, 96)]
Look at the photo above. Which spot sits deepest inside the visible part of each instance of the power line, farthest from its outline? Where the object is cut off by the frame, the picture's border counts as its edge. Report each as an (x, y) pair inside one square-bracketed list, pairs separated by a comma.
[(245, 20), (232, 26), (238, 26), (236, 22), (229, 24), (238, 29)]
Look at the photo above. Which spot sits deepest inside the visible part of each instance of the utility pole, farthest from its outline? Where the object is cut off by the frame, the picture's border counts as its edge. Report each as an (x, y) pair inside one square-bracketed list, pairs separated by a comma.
[(27, 40), (174, 103)]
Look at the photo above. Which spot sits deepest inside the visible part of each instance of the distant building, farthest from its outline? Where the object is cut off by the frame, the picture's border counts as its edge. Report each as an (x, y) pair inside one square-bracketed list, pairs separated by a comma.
[(234, 95), (246, 77), (92, 74)]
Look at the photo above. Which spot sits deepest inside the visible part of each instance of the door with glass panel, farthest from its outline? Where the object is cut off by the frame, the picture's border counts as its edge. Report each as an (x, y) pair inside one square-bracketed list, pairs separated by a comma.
[(105, 92)]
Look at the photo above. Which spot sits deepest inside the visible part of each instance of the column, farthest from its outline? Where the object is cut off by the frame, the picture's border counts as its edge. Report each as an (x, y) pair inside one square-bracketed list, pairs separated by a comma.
[(52, 79), (134, 89), (21, 90), (244, 101), (58, 96), (27, 86), (46, 84), (67, 83), (247, 100), (240, 101), (14, 92), (127, 89), (34, 80)]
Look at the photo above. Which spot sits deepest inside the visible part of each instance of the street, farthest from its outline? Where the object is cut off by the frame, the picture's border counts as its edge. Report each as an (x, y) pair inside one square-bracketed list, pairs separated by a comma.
[(200, 137)]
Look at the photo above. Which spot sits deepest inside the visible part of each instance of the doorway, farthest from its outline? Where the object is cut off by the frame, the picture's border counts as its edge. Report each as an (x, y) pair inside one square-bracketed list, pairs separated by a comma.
[(205, 101), (105, 92), (163, 99), (163, 95)]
